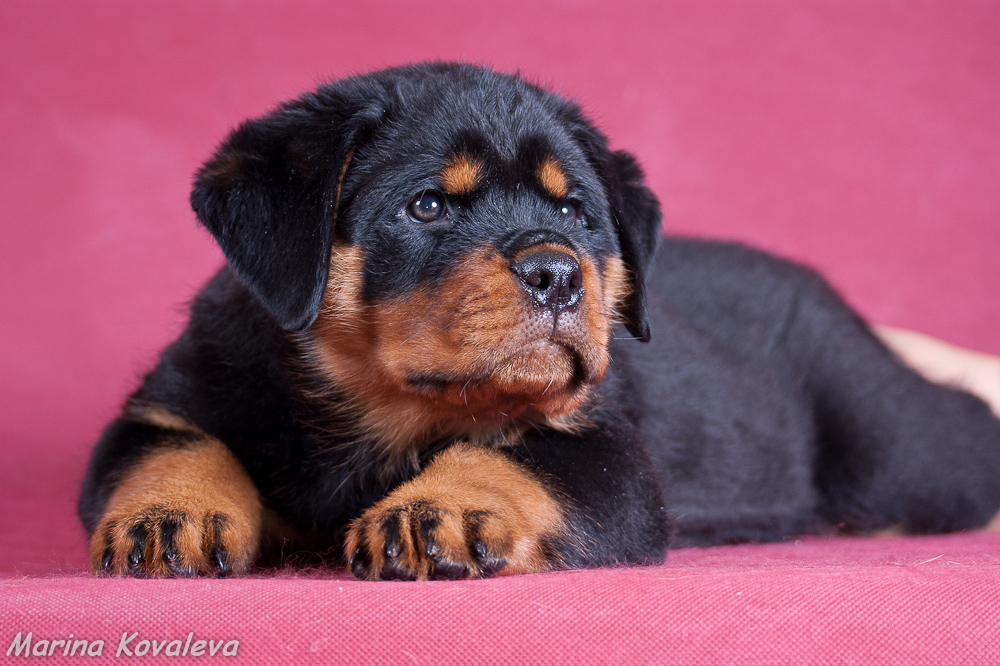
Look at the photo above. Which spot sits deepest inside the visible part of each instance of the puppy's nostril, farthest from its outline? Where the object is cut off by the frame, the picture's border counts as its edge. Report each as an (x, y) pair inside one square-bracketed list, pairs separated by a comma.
[(539, 280)]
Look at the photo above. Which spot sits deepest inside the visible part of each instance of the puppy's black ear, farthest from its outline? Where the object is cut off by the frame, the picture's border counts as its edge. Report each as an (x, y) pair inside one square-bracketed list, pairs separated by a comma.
[(268, 195), (637, 217)]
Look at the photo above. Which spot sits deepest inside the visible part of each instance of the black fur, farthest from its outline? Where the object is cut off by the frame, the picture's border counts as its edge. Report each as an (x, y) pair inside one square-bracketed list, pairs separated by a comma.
[(761, 409)]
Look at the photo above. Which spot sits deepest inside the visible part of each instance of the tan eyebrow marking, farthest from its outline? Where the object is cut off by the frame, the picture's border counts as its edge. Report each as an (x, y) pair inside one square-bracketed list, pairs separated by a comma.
[(552, 178), (462, 175), (340, 181)]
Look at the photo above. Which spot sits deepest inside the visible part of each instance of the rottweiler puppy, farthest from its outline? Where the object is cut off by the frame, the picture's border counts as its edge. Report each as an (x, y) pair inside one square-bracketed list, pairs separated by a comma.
[(429, 356)]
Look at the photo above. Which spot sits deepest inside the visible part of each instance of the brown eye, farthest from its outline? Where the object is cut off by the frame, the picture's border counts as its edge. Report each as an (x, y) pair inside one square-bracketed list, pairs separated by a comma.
[(569, 212), (428, 207)]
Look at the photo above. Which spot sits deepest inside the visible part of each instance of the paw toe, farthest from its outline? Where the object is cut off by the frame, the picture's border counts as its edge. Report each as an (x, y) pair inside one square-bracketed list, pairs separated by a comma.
[(137, 553), (393, 570), (420, 541), (489, 564), (448, 570), (163, 543)]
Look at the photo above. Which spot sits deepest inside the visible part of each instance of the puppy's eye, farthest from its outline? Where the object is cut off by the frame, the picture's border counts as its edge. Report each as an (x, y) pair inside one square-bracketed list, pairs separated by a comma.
[(429, 206), (569, 212)]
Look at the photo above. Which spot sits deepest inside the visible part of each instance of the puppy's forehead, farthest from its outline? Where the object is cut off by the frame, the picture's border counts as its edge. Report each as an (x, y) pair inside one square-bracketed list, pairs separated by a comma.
[(503, 111), (461, 132)]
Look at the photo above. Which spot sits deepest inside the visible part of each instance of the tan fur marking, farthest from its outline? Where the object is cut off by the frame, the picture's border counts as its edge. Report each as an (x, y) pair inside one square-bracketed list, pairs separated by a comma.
[(545, 247), (617, 286), (496, 359), (192, 483), (158, 416), (462, 175), (553, 178), (340, 179), (518, 514)]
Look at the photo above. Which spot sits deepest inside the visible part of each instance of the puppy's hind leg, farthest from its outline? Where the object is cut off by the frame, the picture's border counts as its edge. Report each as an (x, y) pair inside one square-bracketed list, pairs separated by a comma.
[(894, 448)]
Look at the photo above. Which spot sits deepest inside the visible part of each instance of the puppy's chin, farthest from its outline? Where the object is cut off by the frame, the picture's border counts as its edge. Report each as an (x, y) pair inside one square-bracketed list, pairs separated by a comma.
[(547, 380), (542, 366)]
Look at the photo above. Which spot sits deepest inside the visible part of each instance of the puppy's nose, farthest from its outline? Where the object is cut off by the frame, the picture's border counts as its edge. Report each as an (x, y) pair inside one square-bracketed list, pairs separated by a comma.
[(553, 279)]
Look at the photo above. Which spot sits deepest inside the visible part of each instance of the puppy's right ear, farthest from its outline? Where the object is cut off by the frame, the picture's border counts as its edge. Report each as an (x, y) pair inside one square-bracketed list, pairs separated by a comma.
[(269, 196), (637, 219)]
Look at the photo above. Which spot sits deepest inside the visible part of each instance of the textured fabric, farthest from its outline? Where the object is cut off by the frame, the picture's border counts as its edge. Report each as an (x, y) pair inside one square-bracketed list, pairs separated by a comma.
[(839, 601), (860, 137)]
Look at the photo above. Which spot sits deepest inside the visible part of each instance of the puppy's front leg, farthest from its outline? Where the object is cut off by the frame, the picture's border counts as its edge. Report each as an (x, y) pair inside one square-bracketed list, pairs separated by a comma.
[(184, 506), (472, 512)]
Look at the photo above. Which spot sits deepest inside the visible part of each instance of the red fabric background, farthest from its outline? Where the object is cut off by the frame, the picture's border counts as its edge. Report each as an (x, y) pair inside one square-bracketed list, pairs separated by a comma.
[(860, 137), (911, 602)]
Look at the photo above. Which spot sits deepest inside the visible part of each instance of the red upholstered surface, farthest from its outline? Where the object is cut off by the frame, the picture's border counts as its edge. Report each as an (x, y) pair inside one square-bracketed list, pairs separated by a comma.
[(860, 137), (919, 601)]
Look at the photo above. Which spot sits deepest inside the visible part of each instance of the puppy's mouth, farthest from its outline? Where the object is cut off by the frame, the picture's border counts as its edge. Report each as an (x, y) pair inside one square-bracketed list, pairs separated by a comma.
[(535, 369), (543, 378)]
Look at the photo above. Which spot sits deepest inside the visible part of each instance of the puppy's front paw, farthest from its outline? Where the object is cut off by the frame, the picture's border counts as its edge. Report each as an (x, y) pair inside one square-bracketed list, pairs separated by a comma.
[(161, 540), (426, 539), (180, 512), (471, 513)]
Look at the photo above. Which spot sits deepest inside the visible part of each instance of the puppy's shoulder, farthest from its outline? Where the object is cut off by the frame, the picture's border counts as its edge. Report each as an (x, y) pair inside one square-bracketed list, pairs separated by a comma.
[(231, 371)]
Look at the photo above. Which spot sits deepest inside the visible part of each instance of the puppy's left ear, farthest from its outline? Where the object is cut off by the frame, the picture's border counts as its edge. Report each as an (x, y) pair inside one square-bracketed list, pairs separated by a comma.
[(269, 196), (637, 218)]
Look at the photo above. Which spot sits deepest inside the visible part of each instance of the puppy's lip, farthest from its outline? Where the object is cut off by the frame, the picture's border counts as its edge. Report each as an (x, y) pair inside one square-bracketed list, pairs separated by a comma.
[(437, 382), (548, 344), (432, 382), (582, 372)]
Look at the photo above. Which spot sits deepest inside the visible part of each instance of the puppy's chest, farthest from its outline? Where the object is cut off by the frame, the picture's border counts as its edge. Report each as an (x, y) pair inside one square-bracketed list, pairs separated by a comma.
[(339, 476)]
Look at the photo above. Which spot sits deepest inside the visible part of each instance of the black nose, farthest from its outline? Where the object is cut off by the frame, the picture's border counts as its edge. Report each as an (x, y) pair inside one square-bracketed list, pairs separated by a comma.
[(553, 279)]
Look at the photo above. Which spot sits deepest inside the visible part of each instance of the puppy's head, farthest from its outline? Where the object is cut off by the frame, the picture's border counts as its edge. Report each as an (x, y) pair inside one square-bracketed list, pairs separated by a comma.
[(456, 244)]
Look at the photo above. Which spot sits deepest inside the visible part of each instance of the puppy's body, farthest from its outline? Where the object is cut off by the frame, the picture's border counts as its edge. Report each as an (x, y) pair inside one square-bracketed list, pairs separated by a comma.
[(413, 359), (771, 409)]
